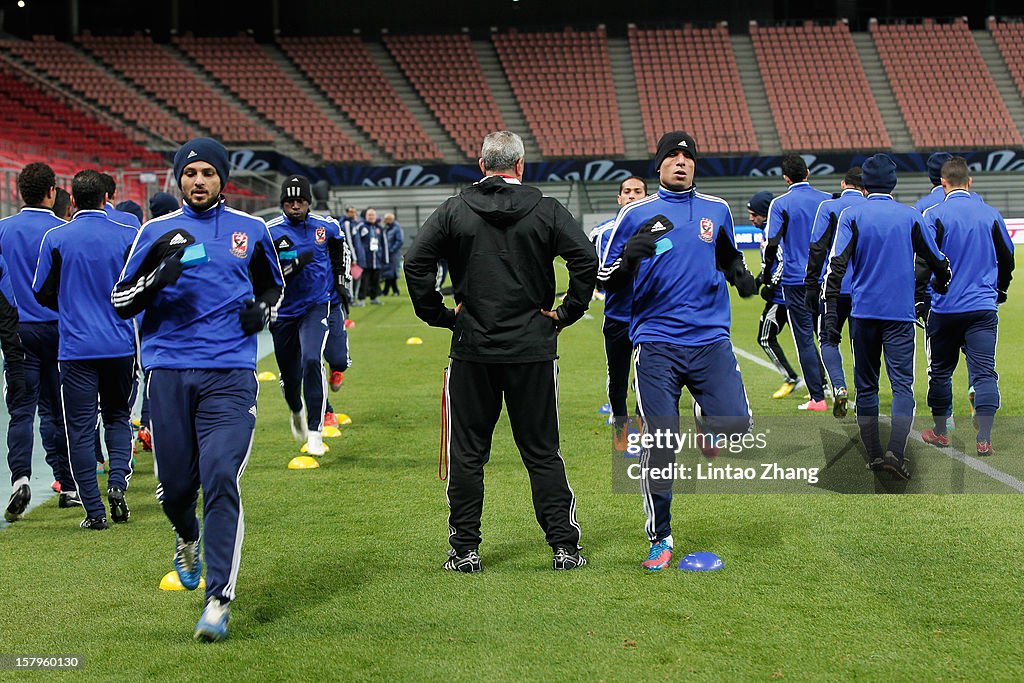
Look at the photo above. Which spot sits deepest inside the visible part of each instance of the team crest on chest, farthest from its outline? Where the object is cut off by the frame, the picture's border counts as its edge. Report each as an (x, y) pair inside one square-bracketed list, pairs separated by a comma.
[(707, 228), (321, 235), (239, 244)]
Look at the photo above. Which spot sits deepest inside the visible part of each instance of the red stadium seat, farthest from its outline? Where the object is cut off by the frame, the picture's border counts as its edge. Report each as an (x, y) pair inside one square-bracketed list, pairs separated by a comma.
[(817, 89), (919, 59)]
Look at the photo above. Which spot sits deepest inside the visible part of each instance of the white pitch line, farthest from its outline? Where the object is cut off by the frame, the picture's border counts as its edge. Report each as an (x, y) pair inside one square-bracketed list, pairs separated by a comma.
[(950, 452)]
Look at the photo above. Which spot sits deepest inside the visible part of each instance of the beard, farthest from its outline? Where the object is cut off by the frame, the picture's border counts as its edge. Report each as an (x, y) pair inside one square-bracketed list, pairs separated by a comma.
[(199, 207)]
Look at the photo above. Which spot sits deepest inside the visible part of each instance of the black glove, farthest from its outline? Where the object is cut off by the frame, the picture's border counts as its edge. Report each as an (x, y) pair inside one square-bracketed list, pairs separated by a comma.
[(811, 300), (940, 283), (768, 293), (16, 387), (921, 310), (292, 267), (741, 279), (169, 270), (254, 316), (1001, 296), (759, 279), (638, 247)]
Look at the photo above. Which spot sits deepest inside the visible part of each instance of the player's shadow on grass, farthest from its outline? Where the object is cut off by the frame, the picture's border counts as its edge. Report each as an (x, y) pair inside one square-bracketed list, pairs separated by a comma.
[(295, 583)]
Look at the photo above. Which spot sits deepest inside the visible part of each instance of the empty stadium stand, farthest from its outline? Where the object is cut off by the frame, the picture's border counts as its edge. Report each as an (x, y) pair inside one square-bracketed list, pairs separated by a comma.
[(343, 69), (446, 73), (712, 106), (563, 83), (944, 89), (1009, 38), (63, 63), (166, 78), (242, 66), (35, 122), (816, 86)]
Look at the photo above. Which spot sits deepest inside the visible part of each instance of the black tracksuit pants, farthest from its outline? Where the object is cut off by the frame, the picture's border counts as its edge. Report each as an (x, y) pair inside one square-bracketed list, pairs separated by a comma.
[(473, 395)]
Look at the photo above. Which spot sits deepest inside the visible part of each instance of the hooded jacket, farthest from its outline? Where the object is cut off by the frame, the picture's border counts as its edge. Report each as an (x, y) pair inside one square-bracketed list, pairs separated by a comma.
[(500, 239)]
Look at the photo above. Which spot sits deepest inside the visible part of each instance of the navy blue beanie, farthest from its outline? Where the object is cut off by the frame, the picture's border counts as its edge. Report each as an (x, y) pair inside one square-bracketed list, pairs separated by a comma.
[(128, 206), (202, 149), (760, 202), (879, 174), (163, 203), (935, 163)]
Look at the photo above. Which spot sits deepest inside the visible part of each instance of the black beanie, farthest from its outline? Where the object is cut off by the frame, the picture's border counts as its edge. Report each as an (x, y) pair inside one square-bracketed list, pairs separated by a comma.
[(677, 139), (879, 173), (935, 163), (760, 202), (202, 149), (296, 187)]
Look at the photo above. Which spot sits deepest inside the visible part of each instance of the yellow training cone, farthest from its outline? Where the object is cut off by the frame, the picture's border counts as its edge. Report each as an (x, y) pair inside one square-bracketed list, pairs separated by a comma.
[(343, 419), (327, 449), (171, 582), (266, 376), (332, 432), (303, 462), (413, 341)]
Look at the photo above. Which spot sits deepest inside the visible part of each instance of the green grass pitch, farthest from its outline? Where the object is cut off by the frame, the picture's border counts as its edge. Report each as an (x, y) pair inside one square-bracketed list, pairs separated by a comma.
[(341, 578)]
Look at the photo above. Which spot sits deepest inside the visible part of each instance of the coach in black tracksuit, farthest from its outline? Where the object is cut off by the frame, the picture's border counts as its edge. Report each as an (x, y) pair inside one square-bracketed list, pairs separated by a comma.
[(500, 239)]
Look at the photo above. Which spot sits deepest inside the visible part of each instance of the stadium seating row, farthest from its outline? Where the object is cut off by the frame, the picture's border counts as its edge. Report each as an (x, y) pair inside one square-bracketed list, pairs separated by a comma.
[(163, 76), (816, 86)]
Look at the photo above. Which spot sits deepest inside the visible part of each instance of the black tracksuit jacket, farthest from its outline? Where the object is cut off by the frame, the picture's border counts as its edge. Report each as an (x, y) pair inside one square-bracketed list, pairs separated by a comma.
[(500, 240)]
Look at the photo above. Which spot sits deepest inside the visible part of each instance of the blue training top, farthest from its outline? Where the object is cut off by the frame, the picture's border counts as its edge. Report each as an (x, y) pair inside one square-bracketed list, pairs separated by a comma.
[(616, 304), (823, 230), (790, 217), (20, 236), (194, 322), (314, 283), (679, 295), (974, 237), (79, 263), (878, 240)]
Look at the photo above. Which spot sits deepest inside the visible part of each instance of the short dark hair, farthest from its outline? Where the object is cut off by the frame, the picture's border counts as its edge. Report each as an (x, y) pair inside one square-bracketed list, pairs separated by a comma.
[(633, 177), (61, 203), (955, 172), (109, 185), (794, 167), (34, 183), (854, 178), (88, 188)]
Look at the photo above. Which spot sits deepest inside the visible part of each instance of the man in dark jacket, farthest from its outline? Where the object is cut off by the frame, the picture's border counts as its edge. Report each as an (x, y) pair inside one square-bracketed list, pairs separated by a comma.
[(500, 239)]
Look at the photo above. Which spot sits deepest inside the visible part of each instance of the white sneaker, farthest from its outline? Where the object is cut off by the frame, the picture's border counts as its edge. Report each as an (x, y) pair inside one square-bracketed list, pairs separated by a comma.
[(315, 444), (299, 429)]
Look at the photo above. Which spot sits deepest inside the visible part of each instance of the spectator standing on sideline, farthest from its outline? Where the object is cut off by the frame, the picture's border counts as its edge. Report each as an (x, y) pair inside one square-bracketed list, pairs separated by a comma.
[(374, 244), (500, 239), (395, 239), (202, 312), (790, 218)]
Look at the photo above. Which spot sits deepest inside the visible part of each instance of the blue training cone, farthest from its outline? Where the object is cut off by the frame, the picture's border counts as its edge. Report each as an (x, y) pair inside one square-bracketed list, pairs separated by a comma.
[(606, 409), (701, 562)]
